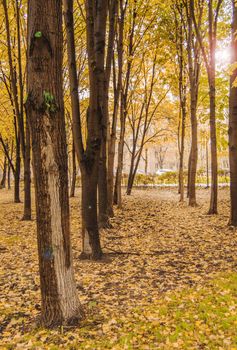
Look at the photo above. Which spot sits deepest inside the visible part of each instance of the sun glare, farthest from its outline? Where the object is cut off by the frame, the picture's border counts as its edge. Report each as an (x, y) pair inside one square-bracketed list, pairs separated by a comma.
[(223, 57)]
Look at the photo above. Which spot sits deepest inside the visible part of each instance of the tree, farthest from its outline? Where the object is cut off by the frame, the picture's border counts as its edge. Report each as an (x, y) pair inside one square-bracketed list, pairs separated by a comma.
[(180, 26), (107, 65), (194, 64), (15, 169), (140, 18), (88, 156), (16, 89), (144, 120), (210, 64), (117, 86), (233, 122), (45, 108)]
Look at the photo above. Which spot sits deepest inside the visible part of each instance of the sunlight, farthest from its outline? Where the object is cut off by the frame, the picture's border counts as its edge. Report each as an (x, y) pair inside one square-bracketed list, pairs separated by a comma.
[(223, 57)]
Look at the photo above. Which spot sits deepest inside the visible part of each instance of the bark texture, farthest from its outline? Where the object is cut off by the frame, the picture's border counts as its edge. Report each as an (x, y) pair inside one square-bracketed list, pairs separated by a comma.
[(88, 156), (60, 304)]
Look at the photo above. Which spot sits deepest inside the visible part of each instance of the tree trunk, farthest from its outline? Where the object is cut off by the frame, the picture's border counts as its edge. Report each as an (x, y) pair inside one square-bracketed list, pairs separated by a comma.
[(183, 127), (17, 92), (194, 150), (210, 63), (24, 131), (117, 95), (233, 125), (60, 304), (193, 48), (27, 175), (207, 163), (110, 179), (181, 160), (131, 179), (131, 170), (4, 174), (97, 122), (102, 186), (88, 159), (214, 176), (118, 181), (129, 184), (103, 174), (9, 168), (212, 19), (17, 173), (189, 169), (74, 172), (8, 176), (146, 161), (91, 247), (123, 108), (180, 33)]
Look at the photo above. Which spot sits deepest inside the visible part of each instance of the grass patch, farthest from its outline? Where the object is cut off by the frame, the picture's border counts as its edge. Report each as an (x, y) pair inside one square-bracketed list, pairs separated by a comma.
[(196, 318)]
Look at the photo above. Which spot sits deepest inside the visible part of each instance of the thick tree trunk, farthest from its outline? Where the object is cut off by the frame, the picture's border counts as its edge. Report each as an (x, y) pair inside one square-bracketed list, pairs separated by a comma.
[(91, 247), (88, 159), (74, 172), (103, 174), (233, 125), (97, 112), (129, 184), (60, 304)]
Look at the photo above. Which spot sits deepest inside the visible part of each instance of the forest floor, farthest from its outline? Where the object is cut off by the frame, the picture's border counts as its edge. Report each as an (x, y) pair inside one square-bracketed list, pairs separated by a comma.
[(168, 279)]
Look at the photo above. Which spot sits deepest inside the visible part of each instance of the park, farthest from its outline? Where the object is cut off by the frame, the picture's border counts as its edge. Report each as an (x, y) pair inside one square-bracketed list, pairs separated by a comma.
[(118, 174)]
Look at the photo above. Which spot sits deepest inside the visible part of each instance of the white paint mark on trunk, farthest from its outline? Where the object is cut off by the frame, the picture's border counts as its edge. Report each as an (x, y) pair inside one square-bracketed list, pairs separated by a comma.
[(66, 286), (86, 247)]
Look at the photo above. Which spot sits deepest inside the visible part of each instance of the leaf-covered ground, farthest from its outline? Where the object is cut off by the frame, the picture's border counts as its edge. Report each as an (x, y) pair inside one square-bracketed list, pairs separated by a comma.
[(167, 280)]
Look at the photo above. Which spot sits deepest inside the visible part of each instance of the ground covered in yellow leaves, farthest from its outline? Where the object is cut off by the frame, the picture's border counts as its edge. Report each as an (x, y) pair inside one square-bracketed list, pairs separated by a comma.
[(168, 279)]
